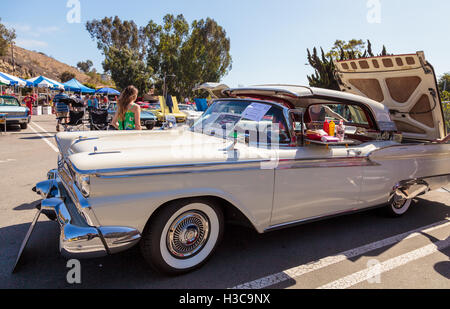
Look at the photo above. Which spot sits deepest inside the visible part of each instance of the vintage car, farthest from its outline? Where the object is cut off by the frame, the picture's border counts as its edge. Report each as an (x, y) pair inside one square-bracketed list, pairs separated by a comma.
[(191, 113), (248, 159), (161, 111), (148, 119), (15, 112)]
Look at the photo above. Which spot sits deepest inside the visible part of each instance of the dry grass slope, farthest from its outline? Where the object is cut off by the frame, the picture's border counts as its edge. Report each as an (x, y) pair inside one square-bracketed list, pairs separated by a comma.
[(30, 64)]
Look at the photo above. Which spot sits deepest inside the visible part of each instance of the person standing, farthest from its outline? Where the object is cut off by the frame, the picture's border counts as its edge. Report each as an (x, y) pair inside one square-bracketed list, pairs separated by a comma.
[(29, 101), (105, 100), (95, 102), (61, 108), (128, 114)]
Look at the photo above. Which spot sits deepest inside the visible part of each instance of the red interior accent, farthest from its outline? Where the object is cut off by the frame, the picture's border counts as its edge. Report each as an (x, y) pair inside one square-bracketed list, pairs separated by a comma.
[(283, 102)]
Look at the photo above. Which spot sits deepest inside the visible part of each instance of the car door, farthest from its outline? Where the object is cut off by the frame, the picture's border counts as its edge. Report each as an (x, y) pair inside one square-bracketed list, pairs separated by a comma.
[(312, 183)]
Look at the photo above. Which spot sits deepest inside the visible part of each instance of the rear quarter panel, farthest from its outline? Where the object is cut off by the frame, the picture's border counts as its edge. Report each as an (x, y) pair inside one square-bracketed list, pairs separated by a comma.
[(403, 162)]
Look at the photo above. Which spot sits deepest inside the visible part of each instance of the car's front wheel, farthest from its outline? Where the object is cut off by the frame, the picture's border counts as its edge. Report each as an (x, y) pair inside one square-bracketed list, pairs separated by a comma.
[(23, 126), (182, 236)]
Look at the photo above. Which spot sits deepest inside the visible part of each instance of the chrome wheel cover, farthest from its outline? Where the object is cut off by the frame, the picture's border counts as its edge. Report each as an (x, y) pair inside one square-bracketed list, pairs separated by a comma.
[(188, 234)]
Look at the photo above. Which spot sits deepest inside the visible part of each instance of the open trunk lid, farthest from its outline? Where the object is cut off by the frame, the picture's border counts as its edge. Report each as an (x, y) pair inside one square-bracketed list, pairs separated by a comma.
[(406, 84), (214, 89)]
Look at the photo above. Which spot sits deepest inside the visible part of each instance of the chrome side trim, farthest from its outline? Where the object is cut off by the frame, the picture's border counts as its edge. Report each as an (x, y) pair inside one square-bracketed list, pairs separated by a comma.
[(318, 218), (283, 164), (306, 220), (326, 163), (81, 203), (160, 167)]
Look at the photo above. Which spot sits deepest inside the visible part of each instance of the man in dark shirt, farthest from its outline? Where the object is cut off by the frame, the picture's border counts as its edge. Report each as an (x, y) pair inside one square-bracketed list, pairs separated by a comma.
[(61, 108)]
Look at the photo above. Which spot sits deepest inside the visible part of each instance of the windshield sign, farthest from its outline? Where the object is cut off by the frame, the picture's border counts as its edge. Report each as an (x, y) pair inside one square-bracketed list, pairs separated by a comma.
[(253, 121)]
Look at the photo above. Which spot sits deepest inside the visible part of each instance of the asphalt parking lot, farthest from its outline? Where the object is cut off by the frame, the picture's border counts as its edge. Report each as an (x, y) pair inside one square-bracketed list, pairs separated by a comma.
[(365, 250)]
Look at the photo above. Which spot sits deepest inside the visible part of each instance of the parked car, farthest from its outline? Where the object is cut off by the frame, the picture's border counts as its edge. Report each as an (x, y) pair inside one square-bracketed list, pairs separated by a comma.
[(148, 119), (143, 105), (248, 159), (162, 111), (191, 113), (15, 112)]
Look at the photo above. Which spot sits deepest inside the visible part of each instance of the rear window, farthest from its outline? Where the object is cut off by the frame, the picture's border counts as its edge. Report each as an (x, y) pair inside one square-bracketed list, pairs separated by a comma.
[(350, 114)]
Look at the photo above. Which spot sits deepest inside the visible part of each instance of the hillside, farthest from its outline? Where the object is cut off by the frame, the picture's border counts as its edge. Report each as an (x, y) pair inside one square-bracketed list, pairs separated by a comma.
[(31, 64)]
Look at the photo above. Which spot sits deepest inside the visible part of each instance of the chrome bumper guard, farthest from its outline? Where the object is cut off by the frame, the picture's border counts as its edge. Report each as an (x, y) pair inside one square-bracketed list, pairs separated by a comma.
[(77, 238)]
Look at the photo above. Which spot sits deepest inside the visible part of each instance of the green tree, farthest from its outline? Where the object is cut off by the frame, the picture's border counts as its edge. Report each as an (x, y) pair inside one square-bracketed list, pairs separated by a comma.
[(445, 98), (205, 56), (127, 69), (85, 66), (444, 82), (66, 76), (323, 64), (7, 38), (192, 53)]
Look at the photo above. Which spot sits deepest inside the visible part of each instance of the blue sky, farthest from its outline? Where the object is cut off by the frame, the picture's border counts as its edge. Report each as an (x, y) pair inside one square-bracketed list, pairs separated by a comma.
[(268, 38)]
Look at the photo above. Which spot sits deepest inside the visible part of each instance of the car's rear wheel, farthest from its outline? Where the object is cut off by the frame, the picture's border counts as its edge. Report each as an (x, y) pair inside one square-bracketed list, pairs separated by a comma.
[(182, 236), (398, 207), (23, 126), (150, 126)]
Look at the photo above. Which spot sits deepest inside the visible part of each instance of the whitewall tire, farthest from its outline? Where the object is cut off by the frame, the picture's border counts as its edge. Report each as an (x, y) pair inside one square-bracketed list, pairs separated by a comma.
[(398, 208), (182, 236)]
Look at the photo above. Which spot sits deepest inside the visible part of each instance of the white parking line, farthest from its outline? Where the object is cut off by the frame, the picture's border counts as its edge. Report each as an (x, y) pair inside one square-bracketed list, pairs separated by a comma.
[(42, 129), (7, 160), (327, 261), (386, 266), (43, 137), (443, 190)]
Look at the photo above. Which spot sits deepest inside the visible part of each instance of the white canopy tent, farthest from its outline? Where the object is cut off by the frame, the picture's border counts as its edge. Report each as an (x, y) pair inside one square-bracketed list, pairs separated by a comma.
[(46, 81), (3, 82)]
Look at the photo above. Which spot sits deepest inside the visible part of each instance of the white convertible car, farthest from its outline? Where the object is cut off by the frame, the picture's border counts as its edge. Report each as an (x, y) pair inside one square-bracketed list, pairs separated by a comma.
[(250, 158)]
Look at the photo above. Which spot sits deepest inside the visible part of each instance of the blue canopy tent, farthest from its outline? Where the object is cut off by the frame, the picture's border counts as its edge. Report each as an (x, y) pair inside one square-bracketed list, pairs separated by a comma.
[(3, 81), (107, 91), (16, 80), (10, 81), (75, 86)]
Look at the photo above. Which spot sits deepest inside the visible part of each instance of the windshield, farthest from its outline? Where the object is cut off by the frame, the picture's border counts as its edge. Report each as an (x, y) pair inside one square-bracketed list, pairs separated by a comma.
[(251, 120), (9, 102), (186, 108)]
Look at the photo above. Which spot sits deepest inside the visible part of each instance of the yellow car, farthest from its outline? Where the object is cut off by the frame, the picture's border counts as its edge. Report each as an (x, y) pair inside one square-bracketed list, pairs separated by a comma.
[(161, 110)]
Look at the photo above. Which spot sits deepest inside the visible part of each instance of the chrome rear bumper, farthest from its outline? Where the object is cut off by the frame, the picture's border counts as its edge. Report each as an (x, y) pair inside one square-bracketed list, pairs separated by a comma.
[(78, 239)]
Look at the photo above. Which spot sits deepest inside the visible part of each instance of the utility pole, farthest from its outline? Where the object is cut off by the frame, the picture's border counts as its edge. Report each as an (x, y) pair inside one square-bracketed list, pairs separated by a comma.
[(11, 36), (12, 55)]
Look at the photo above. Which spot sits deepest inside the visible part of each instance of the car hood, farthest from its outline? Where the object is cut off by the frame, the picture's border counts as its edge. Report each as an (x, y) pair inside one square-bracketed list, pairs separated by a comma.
[(193, 113), (13, 109), (147, 115), (105, 150), (406, 84)]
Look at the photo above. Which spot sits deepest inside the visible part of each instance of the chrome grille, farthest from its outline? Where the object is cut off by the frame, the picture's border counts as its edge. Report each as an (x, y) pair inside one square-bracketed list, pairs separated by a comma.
[(15, 114)]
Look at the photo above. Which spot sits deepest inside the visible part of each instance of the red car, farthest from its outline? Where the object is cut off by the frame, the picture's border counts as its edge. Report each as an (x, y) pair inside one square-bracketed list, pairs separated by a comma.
[(143, 105)]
